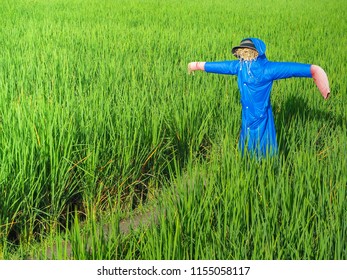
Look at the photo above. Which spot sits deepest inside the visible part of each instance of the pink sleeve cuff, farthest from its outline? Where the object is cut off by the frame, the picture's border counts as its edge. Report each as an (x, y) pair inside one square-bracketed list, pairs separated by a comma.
[(321, 79), (192, 66)]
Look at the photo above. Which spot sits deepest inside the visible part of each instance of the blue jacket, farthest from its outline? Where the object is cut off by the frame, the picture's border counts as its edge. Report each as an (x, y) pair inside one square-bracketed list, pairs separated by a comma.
[(255, 79)]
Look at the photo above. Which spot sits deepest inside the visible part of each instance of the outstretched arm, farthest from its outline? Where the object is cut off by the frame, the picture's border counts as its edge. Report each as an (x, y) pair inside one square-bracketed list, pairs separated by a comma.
[(283, 70), (321, 79), (219, 67)]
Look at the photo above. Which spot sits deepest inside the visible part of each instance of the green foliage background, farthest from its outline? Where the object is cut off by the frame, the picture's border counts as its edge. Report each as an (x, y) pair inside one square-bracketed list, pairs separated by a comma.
[(98, 118)]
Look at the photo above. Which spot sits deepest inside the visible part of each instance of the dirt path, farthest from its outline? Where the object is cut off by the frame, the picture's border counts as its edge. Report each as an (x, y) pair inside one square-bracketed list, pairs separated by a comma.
[(125, 227)]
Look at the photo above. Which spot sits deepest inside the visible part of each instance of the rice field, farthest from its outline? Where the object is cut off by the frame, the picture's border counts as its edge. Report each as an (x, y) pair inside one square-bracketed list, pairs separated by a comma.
[(100, 124)]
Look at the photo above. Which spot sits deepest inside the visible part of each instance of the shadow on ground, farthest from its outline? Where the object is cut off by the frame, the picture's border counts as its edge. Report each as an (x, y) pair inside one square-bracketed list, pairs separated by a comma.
[(297, 109)]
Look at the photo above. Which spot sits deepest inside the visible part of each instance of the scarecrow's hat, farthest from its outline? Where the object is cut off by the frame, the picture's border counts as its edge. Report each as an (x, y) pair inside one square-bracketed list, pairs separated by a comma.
[(246, 43)]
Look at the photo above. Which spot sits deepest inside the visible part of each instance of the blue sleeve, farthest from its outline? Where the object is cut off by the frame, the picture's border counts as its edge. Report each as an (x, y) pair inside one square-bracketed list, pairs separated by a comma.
[(222, 67), (283, 70)]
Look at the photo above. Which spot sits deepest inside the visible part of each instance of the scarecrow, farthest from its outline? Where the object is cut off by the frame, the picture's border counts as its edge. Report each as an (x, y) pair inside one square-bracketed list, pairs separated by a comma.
[(255, 76)]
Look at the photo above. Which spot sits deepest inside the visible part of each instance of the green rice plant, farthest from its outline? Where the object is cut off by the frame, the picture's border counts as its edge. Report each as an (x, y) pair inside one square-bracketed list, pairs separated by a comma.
[(98, 118)]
